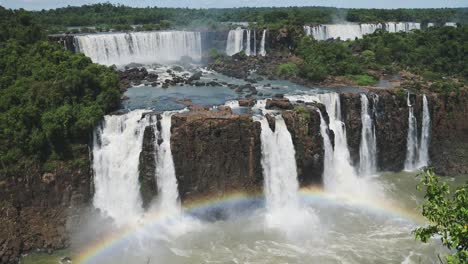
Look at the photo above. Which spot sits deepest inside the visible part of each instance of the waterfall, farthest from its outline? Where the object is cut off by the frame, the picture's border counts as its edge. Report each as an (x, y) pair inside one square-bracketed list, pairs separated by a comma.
[(262, 44), (235, 41), (425, 136), (328, 179), (247, 46), (412, 139), (368, 146), (140, 47), (279, 166), (350, 31), (117, 146), (343, 173), (168, 194)]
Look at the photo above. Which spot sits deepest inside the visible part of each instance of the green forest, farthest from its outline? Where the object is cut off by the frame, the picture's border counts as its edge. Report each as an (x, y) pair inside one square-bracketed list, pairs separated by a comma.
[(50, 98), (434, 54), (107, 16)]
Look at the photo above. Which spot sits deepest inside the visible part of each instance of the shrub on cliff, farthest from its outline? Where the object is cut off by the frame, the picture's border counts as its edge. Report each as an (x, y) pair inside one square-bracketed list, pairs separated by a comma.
[(287, 70), (448, 216)]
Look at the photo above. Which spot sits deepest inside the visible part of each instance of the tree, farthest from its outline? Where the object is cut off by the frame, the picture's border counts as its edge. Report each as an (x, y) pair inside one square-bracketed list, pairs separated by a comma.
[(448, 216)]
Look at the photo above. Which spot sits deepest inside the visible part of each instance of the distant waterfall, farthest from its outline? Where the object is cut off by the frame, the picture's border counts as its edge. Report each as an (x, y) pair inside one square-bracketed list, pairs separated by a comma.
[(262, 44), (368, 146), (241, 40), (140, 47), (247, 46), (116, 150), (350, 31), (425, 136), (279, 166), (168, 194), (235, 41), (412, 147)]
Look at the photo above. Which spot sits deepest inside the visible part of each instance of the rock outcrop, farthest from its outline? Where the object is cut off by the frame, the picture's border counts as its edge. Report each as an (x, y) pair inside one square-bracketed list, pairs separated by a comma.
[(38, 208), (448, 150), (216, 153), (304, 125), (147, 166)]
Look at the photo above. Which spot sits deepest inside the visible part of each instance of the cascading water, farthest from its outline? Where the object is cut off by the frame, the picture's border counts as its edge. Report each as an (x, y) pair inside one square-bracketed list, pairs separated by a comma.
[(279, 166), (368, 146), (116, 150), (412, 147), (168, 194), (351, 31), (343, 173), (140, 47), (235, 41), (328, 179), (262, 44), (425, 136), (247, 46)]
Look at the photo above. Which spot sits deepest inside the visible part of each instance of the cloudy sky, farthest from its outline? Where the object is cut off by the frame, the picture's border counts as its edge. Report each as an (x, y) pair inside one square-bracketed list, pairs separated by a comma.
[(47, 4)]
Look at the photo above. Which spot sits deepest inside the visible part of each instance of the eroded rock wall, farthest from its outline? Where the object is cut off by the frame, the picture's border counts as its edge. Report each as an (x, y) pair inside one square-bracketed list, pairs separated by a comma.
[(38, 209), (216, 153)]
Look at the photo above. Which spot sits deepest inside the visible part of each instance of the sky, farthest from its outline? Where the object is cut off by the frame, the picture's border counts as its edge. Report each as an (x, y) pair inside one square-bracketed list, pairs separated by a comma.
[(48, 4)]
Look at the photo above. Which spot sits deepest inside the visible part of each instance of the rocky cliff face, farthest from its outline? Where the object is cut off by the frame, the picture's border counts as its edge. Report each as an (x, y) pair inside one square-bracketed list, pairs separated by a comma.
[(147, 166), (448, 150), (216, 153), (37, 209), (304, 125)]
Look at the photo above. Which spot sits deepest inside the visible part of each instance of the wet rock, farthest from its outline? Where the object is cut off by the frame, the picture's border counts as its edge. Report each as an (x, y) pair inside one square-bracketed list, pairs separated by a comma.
[(278, 95), (271, 122), (147, 165), (165, 85), (247, 102), (66, 260), (279, 103), (216, 153), (195, 77)]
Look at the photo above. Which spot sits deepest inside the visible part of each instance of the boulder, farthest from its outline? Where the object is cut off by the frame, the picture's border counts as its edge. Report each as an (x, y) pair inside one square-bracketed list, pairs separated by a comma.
[(247, 102), (279, 103)]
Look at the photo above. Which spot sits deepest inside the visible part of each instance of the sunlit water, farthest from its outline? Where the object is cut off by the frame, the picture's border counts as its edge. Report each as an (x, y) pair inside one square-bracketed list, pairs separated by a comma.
[(347, 231)]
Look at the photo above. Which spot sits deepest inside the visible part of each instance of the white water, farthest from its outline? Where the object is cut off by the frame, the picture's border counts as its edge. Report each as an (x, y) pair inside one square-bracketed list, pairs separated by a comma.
[(279, 166), (168, 194), (116, 151), (368, 146), (412, 147), (262, 44), (328, 175), (423, 160), (235, 41), (140, 47), (247, 46), (350, 31)]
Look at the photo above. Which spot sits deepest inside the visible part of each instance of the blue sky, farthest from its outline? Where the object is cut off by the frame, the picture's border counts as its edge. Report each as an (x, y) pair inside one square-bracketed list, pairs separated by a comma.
[(47, 4)]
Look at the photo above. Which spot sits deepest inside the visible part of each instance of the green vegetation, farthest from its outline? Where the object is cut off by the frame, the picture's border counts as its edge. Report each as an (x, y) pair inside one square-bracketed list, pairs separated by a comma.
[(363, 79), (287, 70), (50, 98), (109, 15), (448, 216), (437, 54)]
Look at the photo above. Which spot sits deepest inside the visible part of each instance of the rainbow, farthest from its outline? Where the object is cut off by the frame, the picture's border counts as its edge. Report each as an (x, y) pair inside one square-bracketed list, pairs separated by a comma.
[(111, 242)]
